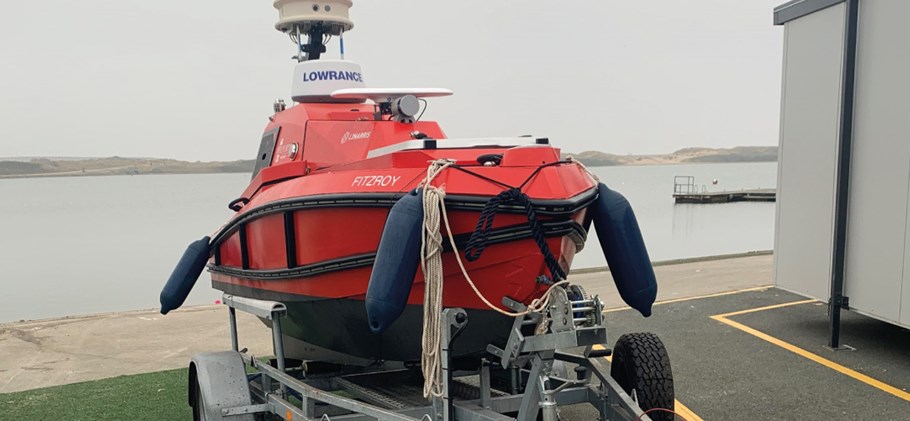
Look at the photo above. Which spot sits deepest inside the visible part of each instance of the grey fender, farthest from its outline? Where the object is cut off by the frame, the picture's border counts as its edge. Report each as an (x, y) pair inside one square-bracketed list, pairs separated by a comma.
[(222, 383)]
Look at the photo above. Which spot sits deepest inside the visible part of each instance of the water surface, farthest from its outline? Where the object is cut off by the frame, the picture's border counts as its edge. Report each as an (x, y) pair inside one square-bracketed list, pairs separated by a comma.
[(80, 245), (674, 231)]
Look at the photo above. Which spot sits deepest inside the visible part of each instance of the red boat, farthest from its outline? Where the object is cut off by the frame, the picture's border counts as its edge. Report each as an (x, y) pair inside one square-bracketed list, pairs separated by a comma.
[(330, 168)]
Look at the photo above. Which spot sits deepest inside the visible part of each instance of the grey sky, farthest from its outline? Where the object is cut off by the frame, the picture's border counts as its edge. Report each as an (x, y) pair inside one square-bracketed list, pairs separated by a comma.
[(196, 79)]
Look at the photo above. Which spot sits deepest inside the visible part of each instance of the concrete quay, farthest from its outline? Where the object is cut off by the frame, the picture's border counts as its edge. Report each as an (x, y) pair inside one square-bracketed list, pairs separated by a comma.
[(68, 350)]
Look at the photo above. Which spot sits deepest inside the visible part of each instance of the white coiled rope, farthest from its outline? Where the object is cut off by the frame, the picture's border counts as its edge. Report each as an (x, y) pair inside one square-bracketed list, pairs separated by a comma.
[(431, 264)]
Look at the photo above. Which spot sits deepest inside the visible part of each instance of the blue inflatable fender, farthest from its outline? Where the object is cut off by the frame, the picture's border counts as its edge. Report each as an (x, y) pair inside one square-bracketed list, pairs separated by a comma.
[(184, 276), (623, 246), (397, 259)]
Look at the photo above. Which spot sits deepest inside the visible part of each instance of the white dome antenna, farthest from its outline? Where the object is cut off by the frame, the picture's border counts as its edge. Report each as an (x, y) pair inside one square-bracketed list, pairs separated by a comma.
[(316, 20)]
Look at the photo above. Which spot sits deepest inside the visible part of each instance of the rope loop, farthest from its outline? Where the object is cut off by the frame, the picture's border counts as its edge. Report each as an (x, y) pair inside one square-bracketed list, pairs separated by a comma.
[(480, 237)]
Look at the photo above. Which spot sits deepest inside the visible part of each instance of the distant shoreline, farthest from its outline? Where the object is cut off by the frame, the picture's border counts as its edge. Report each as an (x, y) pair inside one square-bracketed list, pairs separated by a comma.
[(49, 167), (86, 167), (738, 154)]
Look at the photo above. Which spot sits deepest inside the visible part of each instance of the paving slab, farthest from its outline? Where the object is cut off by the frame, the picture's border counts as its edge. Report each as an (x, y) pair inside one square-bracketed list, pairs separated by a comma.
[(688, 279), (62, 351)]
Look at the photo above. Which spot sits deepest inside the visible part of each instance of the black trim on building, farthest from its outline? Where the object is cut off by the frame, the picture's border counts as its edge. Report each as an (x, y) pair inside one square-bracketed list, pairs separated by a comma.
[(842, 189), (798, 8)]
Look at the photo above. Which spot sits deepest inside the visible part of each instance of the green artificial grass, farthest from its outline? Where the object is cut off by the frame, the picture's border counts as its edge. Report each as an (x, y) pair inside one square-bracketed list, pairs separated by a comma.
[(153, 396)]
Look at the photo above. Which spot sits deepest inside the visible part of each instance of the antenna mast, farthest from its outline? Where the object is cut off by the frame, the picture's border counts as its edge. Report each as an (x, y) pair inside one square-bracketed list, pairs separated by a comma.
[(317, 20)]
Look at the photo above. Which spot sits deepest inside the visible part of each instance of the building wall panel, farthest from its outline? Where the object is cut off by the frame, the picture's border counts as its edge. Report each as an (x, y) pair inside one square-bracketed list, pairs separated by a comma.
[(877, 262), (808, 150)]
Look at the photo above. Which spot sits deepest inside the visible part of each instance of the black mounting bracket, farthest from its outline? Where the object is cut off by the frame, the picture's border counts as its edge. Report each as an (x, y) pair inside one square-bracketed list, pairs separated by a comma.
[(841, 301), (314, 46)]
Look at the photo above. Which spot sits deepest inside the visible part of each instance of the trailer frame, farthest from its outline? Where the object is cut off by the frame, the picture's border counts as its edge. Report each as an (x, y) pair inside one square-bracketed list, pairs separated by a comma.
[(234, 385)]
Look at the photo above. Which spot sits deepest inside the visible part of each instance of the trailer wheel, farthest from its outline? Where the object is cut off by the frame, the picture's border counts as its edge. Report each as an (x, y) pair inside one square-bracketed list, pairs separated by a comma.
[(641, 366)]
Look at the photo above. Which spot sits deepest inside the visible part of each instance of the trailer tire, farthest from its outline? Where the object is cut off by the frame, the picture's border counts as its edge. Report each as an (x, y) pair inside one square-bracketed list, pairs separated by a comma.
[(641, 366), (198, 403)]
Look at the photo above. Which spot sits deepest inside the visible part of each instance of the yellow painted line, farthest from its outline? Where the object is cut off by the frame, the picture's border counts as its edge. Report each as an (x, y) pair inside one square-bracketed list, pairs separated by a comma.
[(771, 307), (686, 413), (697, 297), (680, 409), (806, 354)]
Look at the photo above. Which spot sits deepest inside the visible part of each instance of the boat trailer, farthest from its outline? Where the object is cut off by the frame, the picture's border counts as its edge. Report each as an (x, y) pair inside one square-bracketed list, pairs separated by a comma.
[(529, 376)]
